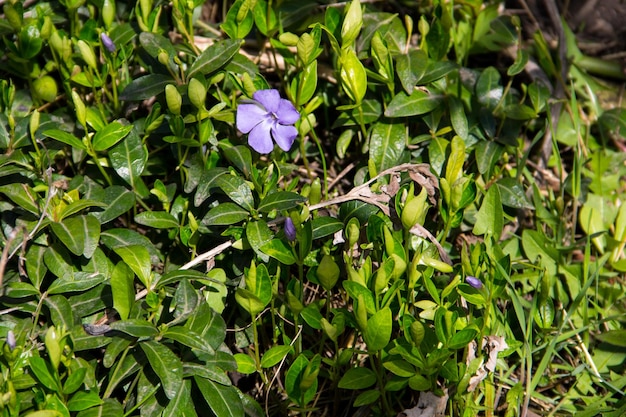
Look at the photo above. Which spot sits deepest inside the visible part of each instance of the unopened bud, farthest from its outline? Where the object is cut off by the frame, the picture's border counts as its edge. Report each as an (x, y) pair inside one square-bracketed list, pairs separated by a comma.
[(290, 229), (107, 42), (11, 342)]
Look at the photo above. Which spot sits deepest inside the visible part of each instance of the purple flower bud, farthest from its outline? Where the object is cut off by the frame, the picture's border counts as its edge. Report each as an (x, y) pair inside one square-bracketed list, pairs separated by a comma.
[(290, 229), (474, 282), (11, 340), (107, 42)]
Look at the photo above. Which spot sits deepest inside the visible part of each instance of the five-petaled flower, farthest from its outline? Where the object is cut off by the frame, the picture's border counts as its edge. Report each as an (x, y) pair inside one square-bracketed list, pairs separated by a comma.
[(474, 282), (107, 42), (290, 229), (268, 117)]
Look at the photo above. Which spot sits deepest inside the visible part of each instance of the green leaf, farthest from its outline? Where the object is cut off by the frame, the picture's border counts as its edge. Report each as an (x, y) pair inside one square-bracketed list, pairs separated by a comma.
[(138, 259), (214, 57), (129, 158), (135, 327), (280, 200), (66, 138), (379, 330), (223, 400), (490, 216), (208, 324), (357, 378), (60, 311), (43, 374), (419, 102), (488, 155), (110, 408), (237, 189), (488, 88), (436, 70), (118, 201), (166, 365), (74, 381), (122, 289), (240, 156), (79, 234), (513, 194), (399, 367), (613, 337), (79, 281), (274, 355), (110, 135), (367, 397), (325, 226), (146, 87), (458, 117), (22, 195), (354, 289), (225, 214), (205, 183), (249, 301), (293, 379), (116, 238), (245, 364), (278, 249), (182, 404), (157, 219), (462, 338), (206, 371), (410, 68), (83, 400), (536, 245), (387, 145), (35, 266), (239, 20), (258, 234)]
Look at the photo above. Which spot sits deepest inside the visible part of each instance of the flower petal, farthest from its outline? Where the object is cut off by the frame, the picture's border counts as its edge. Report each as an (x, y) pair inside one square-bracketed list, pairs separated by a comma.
[(260, 139), (284, 135), (287, 113), (249, 115), (268, 98)]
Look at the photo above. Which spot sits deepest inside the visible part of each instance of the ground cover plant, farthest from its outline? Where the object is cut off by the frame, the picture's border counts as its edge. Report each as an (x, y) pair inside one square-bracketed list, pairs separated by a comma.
[(308, 208)]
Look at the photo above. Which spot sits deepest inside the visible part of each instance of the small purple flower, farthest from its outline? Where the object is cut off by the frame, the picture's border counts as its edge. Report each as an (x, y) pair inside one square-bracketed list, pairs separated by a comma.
[(474, 282), (290, 229), (11, 342), (268, 117), (107, 42)]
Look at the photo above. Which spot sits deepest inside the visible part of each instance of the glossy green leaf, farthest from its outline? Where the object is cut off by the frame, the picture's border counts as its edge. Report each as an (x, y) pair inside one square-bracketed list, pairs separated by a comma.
[(110, 408), (186, 299), (245, 364), (294, 377), (116, 238), (118, 201), (145, 87), (353, 76), (367, 397), (419, 102), (35, 266), (354, 289), (129, 158), (379, 330), (388, 145), (278, 249), (274, 355), (357, 378), (513, 194), (66, 138), (214, 57), (280, 200), (43, 374), (138, 259), (207, 371), (208, 324), (240, 156), (223, 400), (110, 135), (166, 365), (325, 226), (399, 367), (122, 289), (83, 400), (237, 189), (79, 281), (182, 403), (490, 216), (462, 338), (60, 311), (206, 182), (79, 234), (489, 89), (458, 117), (225, 214), (258, 234), (157, 219), (135, 327), (74, 381)]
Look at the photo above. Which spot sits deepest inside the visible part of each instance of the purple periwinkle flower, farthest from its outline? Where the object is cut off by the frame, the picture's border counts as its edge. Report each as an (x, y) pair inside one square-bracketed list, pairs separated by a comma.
[(11, 342), (268, 119), (107, 42), (474, 282), (290, 229)]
